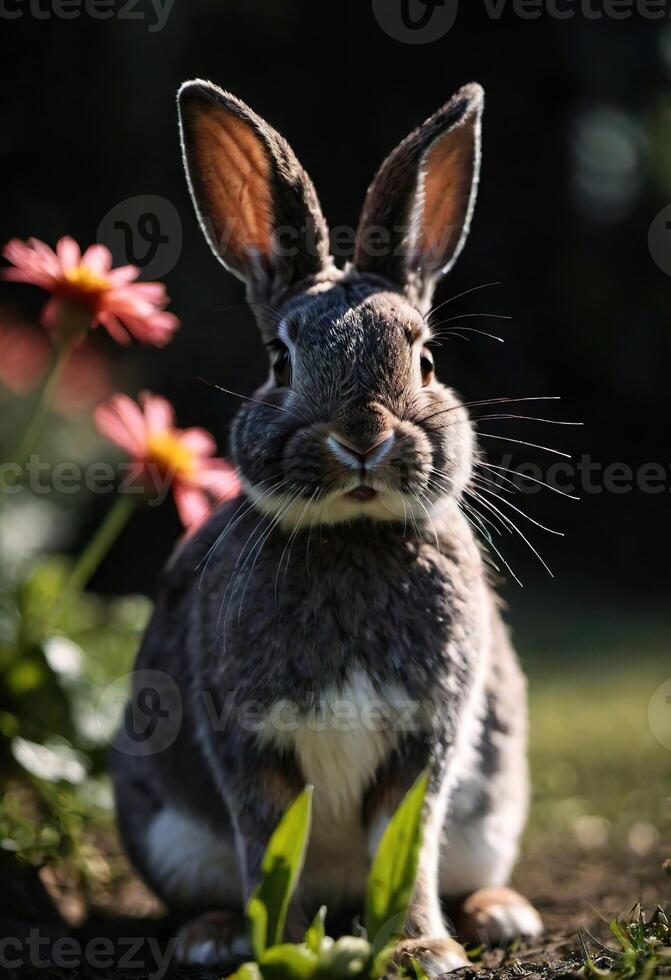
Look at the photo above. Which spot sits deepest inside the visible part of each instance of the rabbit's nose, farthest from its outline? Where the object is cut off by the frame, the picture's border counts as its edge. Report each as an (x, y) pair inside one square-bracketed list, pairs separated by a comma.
[(357, 454)]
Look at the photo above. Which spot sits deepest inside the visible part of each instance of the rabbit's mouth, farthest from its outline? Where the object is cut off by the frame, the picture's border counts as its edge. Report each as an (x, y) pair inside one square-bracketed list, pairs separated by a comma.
[(362, 493)]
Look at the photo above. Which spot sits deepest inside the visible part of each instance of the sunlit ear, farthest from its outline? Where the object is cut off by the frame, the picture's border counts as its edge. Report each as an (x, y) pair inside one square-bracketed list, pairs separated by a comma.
[(423, 198), (256, 205)]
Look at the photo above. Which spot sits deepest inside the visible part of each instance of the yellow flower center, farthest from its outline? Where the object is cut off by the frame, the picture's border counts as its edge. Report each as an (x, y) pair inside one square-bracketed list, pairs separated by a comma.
[(82, 279), (170, 454)]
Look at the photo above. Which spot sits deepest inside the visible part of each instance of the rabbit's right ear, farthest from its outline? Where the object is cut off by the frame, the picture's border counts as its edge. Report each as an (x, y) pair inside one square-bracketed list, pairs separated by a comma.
[(256, 205), (418, 209)]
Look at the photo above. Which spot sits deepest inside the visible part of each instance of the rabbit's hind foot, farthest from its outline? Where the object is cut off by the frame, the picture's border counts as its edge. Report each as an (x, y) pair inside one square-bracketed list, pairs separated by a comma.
[(435, 956), (213, 939), (496, 917)]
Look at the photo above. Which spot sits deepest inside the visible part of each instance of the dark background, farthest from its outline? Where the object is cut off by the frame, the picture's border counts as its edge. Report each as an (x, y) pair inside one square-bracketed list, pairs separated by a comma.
[(576, 166)]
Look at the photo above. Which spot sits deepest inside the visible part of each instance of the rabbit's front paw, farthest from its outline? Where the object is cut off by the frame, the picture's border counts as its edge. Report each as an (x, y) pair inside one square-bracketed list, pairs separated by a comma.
[(435, 956), (496, 916), (215, 938)]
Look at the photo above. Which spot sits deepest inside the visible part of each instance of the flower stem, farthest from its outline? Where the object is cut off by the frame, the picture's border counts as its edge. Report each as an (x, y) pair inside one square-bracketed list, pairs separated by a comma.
[(59, 359), (95, 551)]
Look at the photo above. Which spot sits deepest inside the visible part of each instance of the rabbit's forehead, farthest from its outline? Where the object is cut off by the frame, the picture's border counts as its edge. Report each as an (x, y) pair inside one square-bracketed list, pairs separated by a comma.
[(333, 320)]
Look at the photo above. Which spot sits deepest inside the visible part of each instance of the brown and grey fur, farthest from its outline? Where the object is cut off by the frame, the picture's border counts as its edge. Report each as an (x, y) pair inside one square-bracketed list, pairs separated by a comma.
[(299, 595)]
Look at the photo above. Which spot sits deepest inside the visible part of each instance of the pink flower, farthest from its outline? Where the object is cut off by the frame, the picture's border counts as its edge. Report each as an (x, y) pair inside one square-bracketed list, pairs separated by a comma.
[(185, 456), (90, 285)]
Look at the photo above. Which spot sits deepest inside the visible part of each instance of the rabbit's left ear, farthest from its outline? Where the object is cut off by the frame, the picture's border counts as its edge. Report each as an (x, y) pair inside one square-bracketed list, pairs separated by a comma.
[(256, 204), (418, 209)]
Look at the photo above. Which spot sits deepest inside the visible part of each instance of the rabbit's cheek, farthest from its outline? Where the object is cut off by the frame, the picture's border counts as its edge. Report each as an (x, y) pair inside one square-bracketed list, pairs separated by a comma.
[(410, 465), (458, 452), (452, 448), (303, 459), (258, 439)]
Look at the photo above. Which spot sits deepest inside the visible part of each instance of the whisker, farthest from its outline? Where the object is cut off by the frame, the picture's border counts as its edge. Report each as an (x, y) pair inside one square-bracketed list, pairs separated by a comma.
[(405, 515), (521, 442), (320, 494), (290, 541), (443, 411), (525, 476), (259, 546), (507, 399), (453, 333), (247, 398), (485, 401), (525, 418), (479, 518), (466, 292), (496, 525), (504, 517), (233, 522), (445, 334), (416, 495), (471, 316), (441, 488), (504, 500), (479, 478), (232, 582)]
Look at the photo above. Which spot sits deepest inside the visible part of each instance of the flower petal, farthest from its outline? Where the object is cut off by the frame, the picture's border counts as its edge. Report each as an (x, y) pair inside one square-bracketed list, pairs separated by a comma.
[(192, 504), (98, 259), (68, 252), (113, 326), (153, 328), (159, 414), (34, 260), (221, 481), (199, 441), (14, 274), (152, 292), (123, 275), (121, 421)]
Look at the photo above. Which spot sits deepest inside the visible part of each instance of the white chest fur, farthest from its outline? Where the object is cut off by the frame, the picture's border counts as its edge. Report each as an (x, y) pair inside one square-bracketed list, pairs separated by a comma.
[(342, 740)]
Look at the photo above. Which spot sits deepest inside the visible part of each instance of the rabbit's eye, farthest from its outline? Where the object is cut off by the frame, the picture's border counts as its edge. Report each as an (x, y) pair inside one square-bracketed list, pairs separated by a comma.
[(426, 366), (281, 361)]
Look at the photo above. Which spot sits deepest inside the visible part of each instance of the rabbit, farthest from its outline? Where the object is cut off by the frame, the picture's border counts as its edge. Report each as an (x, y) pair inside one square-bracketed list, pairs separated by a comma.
[(335, 625)]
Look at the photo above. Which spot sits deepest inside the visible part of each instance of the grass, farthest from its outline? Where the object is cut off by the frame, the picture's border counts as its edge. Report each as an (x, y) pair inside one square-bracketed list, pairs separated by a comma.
[(642, 948), (600, 755), (598, 770)]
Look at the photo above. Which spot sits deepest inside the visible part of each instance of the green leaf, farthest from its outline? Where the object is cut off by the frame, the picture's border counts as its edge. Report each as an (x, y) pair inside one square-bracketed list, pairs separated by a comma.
[(316, 931), (620, 935), (420, 972), (281, 866), (248, 971), (382, 959), (391, 881), (288, 962), (257, 926)]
